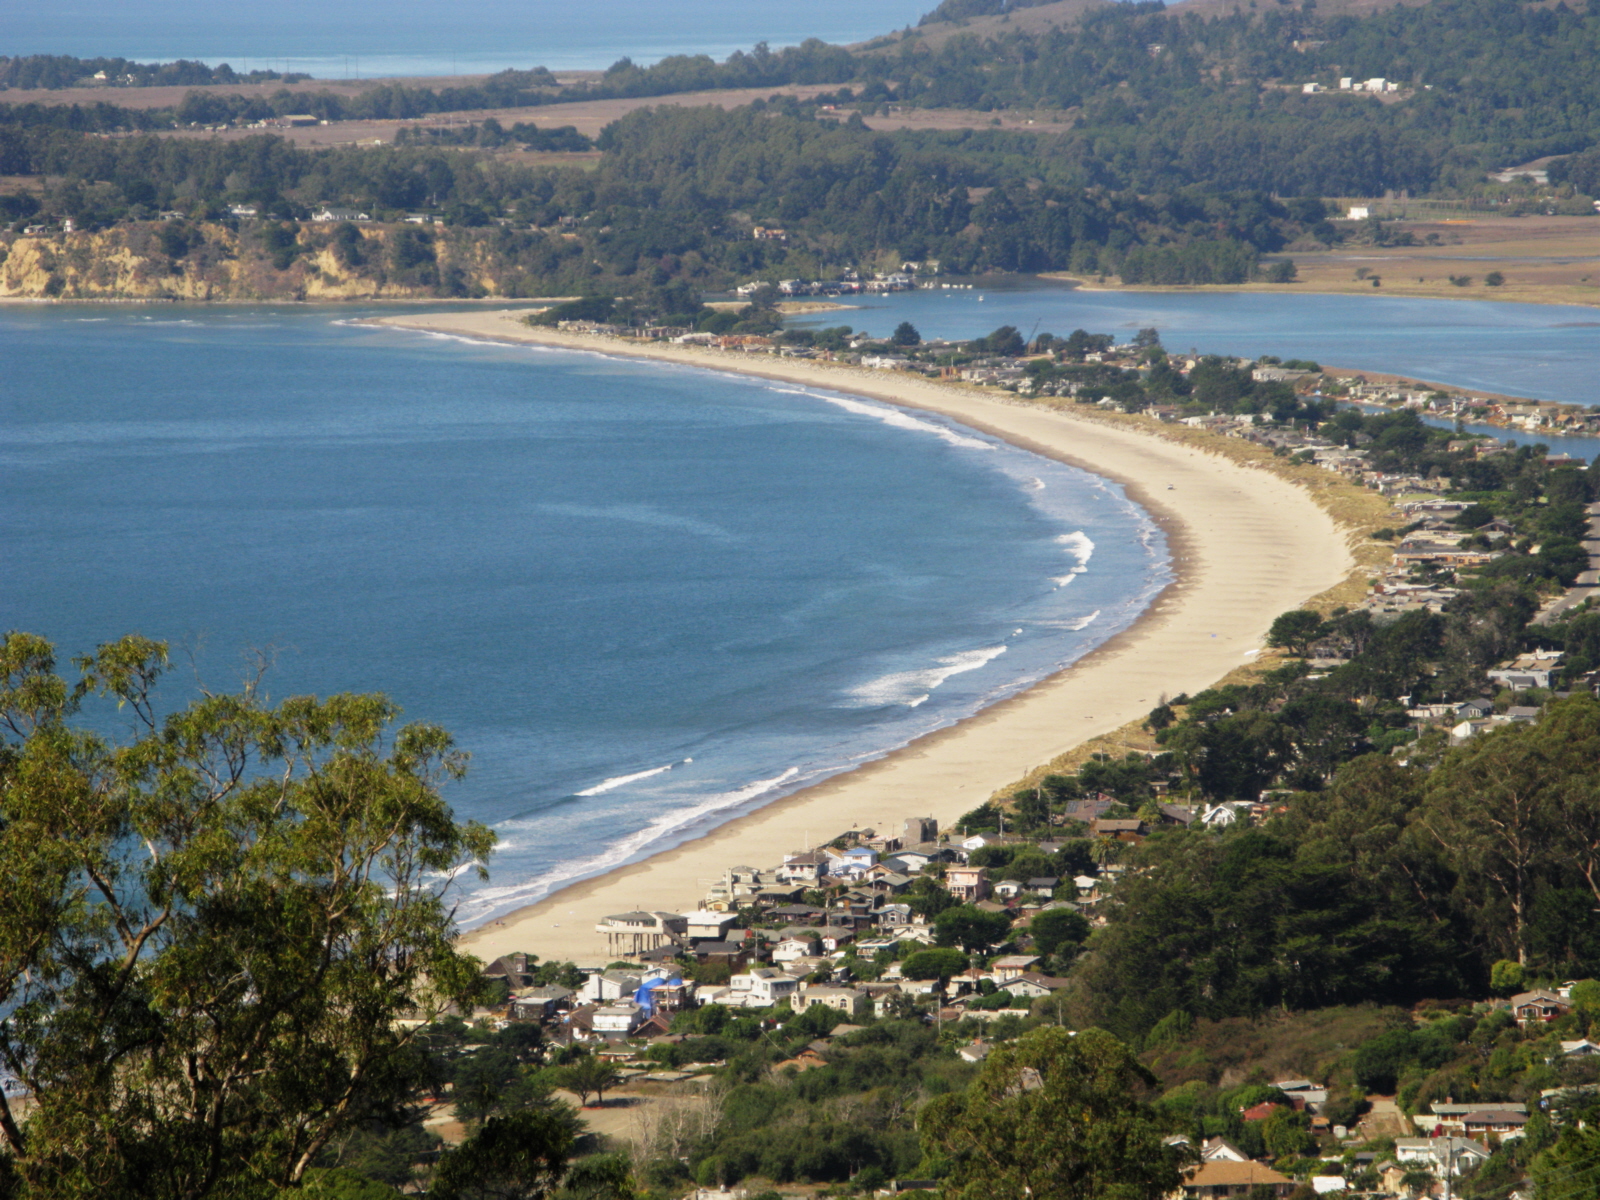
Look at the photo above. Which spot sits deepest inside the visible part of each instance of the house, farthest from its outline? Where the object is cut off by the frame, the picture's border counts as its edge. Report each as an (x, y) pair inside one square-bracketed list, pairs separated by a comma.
[(839, 998), (634, 932), (1475, 710), (792, 948), (339, 214), (618, 1020), (1088, 810), (704, 925), (894, 915), (1132, 830), (1536, 670), (1221, 1178), (918, 830), (808, 869), (1445, 1118), (1441, 1155), (1221, 1150), (1011, 966), (1538, 1005), (1302, 1092), (967, 884), (976, 1052), (1219, 816), (515, 969), (1033, 985), (1582, 1048), (1260, 1112), (1501, 1124), (540, 1004), (1043, 883), (761, 987), (1008, 889), (610, 985)]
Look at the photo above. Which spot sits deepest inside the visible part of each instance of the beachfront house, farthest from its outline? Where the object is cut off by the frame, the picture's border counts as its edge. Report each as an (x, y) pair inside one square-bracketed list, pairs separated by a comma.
[(633, 933)]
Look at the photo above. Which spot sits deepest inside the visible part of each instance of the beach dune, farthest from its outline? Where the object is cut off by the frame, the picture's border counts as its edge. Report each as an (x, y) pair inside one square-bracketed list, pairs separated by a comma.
[(1247, 545)]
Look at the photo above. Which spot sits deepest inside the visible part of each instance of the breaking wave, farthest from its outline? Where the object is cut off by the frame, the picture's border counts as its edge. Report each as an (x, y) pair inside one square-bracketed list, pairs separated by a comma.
[(912, 688)]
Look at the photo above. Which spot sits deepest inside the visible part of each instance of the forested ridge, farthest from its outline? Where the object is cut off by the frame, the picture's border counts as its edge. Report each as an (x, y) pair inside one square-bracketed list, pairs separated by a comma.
[(1184, 137)]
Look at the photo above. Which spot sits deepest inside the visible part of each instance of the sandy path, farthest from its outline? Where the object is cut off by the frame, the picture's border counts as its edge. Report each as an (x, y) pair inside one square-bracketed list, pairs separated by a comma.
[(1247, 544)]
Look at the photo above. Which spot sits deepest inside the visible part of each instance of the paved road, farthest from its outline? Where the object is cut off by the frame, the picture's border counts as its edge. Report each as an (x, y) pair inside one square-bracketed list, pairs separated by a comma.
[(1588, 583)]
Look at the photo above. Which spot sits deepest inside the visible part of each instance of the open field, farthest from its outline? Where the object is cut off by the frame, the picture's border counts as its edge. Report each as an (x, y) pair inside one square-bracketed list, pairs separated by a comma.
[(1545, 260)]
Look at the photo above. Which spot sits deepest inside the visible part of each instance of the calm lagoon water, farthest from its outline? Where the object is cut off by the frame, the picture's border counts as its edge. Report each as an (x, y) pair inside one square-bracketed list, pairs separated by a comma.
[(1545, 351), (367, 39), (645, 598)]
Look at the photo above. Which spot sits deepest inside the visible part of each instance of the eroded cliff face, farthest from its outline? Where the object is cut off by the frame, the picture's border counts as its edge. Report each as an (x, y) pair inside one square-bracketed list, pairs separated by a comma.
[(259, 261)]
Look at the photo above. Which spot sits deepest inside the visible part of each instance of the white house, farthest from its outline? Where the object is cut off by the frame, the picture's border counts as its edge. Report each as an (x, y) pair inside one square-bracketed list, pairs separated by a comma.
[(838, 998), (761, 987), (1441, 1155), (340, 214), (619, 1019)]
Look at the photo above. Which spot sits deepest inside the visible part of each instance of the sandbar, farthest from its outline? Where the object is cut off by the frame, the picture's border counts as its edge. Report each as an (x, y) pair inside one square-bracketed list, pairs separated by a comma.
[(1246, 546)]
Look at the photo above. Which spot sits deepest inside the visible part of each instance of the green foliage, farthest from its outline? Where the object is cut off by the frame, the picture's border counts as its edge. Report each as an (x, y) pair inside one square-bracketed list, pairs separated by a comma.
[(1058, 930), (1054, 1116), (1295, 631), (231, 910), (933, 964), (518, 1157), (971, 928)]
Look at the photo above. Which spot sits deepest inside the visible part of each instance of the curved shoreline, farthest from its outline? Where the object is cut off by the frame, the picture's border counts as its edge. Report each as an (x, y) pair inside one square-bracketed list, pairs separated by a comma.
[(1245, 545)]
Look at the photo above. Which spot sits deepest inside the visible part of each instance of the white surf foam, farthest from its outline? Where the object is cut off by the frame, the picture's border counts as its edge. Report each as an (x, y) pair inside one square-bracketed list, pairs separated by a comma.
[(1079, 546), (912, 688), (606, 785), (623, 849), (893, 416)]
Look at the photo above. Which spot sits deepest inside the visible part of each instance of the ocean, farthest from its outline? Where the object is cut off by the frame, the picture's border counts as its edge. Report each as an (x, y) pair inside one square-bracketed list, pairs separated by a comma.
[(645, 598), (365, 39)]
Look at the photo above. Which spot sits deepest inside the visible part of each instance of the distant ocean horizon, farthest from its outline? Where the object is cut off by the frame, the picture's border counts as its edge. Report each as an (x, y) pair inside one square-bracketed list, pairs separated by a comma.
[(366, 39)]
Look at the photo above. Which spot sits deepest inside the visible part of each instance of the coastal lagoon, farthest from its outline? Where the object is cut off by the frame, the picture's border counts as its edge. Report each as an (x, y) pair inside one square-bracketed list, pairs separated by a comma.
[(646, 598), (1546, 352)]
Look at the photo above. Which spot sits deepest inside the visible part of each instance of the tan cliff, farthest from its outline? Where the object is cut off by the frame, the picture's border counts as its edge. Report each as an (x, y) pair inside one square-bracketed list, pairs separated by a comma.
[(263, 261)]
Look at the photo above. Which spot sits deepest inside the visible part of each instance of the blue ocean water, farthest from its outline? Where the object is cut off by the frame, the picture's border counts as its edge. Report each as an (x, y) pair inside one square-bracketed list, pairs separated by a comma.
[(367, 39), (645, 598)]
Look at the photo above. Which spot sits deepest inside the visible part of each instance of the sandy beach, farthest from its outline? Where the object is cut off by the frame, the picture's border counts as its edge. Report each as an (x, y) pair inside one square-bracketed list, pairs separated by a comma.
[(1247, 545)]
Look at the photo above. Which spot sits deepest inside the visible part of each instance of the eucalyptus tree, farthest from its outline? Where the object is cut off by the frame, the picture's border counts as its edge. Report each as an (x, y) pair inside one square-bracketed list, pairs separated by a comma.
[(218, 927)]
